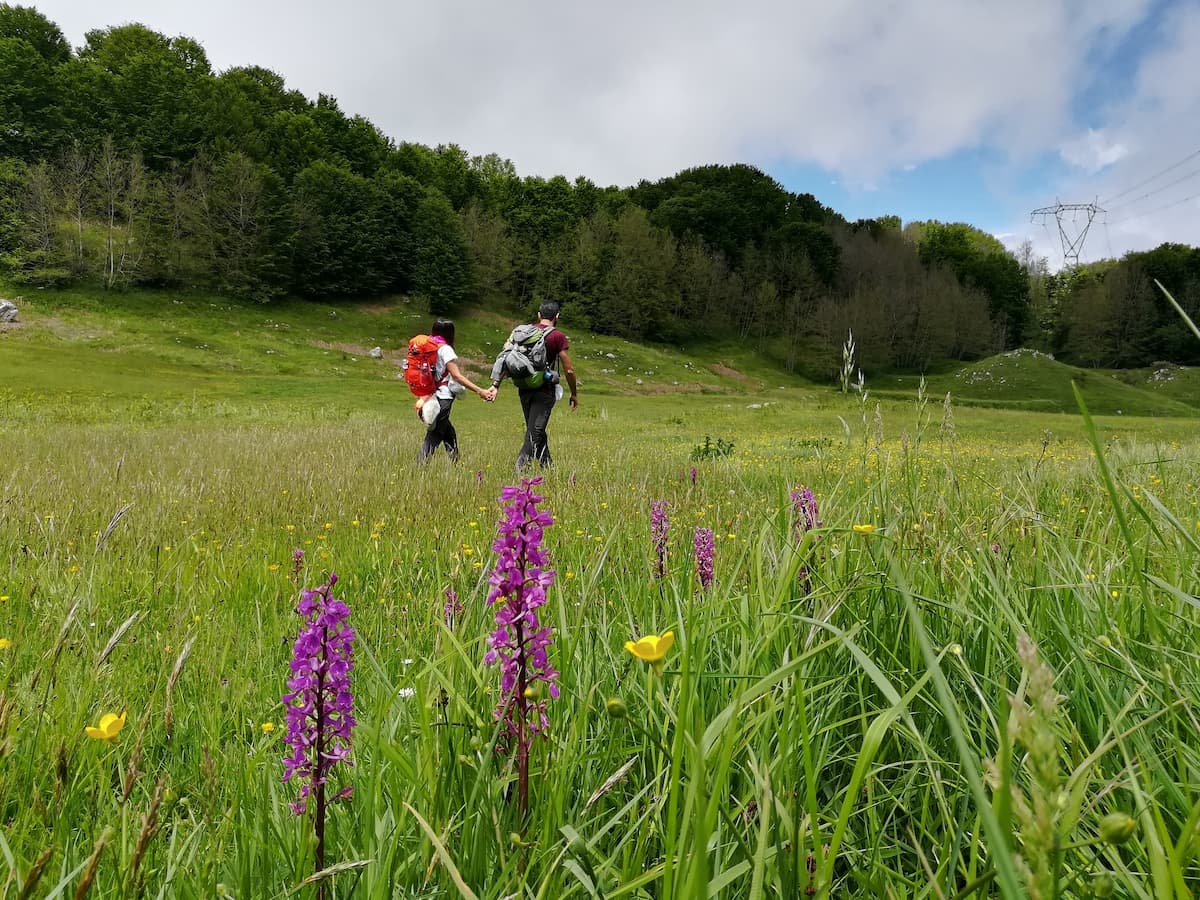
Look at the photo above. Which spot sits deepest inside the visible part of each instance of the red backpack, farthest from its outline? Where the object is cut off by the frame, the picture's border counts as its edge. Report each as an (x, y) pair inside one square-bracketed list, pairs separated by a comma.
[(420, 366)]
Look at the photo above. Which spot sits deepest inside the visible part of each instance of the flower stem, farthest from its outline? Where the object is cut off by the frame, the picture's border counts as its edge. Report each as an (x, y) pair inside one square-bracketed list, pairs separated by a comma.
[(319, 762), (522, 739)]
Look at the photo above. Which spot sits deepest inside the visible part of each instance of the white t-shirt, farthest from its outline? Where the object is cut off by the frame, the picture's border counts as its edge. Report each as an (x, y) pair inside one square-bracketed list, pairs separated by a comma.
[(451, 388)]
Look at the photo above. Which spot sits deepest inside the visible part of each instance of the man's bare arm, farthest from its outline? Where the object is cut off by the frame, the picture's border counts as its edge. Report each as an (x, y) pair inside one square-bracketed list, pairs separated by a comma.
[(569, 373)]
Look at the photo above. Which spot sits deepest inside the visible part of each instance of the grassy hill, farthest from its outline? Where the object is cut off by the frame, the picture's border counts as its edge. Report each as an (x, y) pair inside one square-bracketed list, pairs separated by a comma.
[(1028, 380), (75, 351)]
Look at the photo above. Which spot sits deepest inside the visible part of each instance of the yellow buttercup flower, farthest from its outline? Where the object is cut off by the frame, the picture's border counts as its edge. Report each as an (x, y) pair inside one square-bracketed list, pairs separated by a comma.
[(651, 648), (864, 529), (110, 726), (5, 643), (268, 727)]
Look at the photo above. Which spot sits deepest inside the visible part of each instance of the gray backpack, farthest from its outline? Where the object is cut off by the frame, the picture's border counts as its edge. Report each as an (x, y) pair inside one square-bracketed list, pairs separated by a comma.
[(525, 357)]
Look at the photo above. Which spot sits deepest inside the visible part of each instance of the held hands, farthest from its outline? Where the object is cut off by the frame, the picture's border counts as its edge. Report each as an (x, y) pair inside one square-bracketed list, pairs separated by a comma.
[(490, 394)]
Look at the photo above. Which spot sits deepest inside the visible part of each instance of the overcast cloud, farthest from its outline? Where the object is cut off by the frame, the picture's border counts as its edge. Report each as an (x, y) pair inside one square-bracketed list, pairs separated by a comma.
[(626, 90)]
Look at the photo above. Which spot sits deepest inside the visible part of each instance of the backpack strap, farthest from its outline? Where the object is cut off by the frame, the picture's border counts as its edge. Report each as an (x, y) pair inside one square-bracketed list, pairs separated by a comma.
[(441, 342), (546, 334)]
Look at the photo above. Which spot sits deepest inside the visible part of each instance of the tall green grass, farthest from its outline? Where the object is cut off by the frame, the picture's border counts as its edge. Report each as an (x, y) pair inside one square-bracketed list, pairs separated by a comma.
[(868, 730)]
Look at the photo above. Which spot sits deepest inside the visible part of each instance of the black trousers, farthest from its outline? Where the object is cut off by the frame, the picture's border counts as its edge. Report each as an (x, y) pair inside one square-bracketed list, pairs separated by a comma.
[(537, 406), (440, 432)]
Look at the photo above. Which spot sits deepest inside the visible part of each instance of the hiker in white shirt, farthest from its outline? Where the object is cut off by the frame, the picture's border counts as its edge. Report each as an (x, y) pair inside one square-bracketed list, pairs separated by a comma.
[(450, 383)]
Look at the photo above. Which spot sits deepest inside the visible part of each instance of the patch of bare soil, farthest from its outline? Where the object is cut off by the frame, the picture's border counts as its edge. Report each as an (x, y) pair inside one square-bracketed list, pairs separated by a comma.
[(478, 371), (657, 388), (74, 331), (726, 372), (354, 349)]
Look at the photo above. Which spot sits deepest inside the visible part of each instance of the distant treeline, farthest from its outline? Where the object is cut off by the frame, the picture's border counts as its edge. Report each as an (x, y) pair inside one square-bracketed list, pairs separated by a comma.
[(129, 162)]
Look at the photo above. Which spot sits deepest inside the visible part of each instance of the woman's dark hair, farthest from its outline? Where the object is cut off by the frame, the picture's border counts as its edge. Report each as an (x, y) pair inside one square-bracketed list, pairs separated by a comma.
[(443, 328)]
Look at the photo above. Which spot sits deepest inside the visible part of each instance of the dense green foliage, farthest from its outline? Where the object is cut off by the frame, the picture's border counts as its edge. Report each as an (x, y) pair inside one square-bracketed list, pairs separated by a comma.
[(129, 162), (1112, 315)]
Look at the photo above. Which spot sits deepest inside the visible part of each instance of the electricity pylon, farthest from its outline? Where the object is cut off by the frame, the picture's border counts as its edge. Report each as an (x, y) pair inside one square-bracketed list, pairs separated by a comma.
[(1071, 246)]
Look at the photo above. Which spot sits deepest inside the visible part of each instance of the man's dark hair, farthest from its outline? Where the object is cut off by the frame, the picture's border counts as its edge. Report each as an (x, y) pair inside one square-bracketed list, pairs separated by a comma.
[(548, 309), (443, 328)]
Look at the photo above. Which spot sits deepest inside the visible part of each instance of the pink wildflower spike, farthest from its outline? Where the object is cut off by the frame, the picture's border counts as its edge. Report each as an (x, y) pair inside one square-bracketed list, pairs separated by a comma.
[(659, 524), (452, 608), (319, 701), (520, 643), (804, 505), (703, 544)]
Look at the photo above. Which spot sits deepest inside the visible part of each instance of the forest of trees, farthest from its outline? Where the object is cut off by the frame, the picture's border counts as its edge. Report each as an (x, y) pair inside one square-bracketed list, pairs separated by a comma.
[(129, 162)]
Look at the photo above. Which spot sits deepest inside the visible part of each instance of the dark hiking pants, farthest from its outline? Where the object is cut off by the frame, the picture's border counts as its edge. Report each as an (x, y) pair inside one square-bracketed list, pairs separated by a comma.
[(440, 432), (537, 406)]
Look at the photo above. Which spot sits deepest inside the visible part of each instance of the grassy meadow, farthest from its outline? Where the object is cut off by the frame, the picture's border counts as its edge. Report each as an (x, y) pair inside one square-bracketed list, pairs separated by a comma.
[(986, 647)]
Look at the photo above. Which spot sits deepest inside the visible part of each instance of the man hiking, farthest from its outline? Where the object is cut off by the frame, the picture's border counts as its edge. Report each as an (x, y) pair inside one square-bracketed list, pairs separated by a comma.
[(539, 392)]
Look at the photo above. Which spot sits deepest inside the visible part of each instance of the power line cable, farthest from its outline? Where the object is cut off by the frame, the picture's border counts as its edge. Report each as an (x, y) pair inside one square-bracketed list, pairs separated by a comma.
[(1159, 209), (1146, 181), (1170, 184)]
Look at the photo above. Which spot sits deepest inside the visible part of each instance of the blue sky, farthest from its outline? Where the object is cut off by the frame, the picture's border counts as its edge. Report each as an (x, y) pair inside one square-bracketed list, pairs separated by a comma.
[(977, 185), (967, 110), (989, 185)]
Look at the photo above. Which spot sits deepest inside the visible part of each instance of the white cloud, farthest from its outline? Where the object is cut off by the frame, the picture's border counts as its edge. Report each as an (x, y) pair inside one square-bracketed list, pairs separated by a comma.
[(1092, 151), (1152, 193), (628, 89)]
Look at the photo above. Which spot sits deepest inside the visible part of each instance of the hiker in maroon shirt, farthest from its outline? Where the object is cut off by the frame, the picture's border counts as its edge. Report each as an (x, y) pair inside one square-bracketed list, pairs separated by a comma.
[(538, 403)]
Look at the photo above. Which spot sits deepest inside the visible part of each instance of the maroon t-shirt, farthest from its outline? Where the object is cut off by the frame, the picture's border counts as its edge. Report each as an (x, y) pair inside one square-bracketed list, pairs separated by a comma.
[(556, 343)]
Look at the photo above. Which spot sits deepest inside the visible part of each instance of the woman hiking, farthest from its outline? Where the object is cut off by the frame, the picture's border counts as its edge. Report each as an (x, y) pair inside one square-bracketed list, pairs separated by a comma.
[(450, 383)]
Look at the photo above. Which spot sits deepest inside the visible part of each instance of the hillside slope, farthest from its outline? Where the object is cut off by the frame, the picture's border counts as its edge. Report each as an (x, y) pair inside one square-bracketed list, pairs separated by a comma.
[(1026, 379), (113, 349)]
